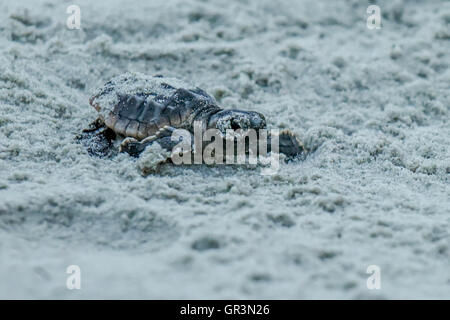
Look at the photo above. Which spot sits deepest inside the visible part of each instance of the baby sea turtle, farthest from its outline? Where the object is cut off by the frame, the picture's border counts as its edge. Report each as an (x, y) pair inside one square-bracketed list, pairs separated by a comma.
[(146, 109)]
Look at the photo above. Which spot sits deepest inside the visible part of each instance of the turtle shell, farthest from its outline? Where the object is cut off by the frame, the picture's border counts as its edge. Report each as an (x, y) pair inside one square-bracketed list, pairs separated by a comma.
[(136, 105)]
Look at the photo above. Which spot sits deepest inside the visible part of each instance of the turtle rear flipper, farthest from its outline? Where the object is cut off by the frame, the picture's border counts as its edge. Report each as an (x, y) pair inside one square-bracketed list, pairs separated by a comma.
[(97, 139)]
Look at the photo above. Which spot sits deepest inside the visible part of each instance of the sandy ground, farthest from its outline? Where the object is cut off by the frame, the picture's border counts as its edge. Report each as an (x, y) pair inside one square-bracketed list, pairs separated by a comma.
[(372, 106)]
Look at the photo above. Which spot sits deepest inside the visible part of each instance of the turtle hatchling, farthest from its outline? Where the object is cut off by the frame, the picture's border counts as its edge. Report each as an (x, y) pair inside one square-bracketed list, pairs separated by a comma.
[(142, 110)]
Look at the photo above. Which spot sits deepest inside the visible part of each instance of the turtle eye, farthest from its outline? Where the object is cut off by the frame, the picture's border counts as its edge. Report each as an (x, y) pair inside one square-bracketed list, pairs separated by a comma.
[(235, 125), (240, 121)]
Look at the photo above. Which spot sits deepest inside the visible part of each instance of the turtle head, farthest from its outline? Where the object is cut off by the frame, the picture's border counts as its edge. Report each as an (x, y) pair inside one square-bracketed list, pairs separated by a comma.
[(236, 119)]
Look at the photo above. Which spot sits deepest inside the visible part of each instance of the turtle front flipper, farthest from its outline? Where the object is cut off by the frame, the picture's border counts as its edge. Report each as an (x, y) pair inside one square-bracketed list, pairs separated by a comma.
[(163, 137), (97, 139), (289, 145)]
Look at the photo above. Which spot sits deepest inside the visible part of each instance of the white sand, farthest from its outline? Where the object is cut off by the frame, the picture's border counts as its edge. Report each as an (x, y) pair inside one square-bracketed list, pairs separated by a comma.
[(373, 107)]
